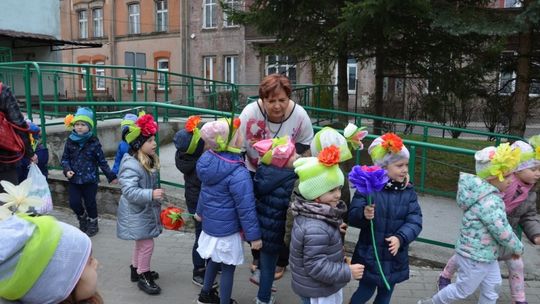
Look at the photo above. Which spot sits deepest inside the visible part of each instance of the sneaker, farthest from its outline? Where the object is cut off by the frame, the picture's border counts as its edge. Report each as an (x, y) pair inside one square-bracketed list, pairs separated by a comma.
[(208, 297), (256, 277), (442, 282), (272, 300), (425, 301), (198, 279)]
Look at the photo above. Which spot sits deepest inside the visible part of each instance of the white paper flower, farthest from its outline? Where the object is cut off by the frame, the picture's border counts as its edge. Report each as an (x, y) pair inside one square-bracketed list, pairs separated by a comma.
[(16, 197)]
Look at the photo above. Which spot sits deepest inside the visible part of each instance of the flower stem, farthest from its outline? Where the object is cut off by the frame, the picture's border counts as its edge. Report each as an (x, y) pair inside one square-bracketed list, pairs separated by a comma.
[(372, 226)]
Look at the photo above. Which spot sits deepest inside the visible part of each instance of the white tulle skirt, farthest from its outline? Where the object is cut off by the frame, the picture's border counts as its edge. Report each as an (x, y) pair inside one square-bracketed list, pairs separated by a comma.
[(227, 249)]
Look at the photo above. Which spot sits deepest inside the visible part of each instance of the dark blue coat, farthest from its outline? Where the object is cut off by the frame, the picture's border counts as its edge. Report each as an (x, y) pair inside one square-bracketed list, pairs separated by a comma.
[(273, 189), (186, 163), (397, 213), (226, 202), (84, 161)]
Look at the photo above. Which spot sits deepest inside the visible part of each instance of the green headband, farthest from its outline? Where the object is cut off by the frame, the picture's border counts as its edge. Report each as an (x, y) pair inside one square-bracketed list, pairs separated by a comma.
[(133, 133)]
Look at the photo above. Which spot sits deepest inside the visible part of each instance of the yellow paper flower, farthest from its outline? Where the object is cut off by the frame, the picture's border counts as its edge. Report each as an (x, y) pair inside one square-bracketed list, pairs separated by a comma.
[(16, 197), (504, 161)]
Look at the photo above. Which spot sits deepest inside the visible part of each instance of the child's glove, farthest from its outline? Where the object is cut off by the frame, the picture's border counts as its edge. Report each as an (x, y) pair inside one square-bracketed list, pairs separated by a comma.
[(357, 271)]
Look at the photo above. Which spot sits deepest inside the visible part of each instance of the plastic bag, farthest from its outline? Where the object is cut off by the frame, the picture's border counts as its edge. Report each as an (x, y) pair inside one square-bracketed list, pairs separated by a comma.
[(40, 188)]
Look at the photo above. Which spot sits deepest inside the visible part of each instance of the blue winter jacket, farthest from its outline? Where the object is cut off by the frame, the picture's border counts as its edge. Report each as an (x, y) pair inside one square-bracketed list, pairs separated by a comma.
[(273, 189), (123, 148), (226, 202), (84, 161), (397, 213)]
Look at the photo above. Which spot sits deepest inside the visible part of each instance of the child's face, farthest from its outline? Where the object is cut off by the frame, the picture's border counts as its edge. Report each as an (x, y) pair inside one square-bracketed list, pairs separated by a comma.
[(398, 170), (87, 285), (149, 146), (529, 176), (330, 198), (81, 127), (501, 185)]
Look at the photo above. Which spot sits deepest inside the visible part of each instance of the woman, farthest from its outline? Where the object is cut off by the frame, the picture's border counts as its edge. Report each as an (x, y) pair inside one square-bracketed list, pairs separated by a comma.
[(274, 115)]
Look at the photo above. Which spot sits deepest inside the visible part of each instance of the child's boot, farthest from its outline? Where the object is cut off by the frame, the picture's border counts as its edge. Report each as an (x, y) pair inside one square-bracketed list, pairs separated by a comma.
[(92, 227), (83, 222), (146, 283), (135, 275)]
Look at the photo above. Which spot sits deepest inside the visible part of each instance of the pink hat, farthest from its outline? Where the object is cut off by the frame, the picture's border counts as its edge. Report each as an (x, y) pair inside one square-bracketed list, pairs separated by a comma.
[(276, 151)]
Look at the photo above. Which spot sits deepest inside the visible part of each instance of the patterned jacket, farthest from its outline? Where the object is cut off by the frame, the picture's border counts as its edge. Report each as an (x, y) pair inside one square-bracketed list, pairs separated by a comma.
[(84, 161), (484, 226)]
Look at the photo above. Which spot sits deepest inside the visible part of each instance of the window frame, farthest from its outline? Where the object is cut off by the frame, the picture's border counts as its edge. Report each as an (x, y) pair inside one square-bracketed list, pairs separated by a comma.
[(355, 82), (209, 66), (228, 75), (235, 4), (209, 9), (99, 73), (134, 19), (83, 24), (82, 80), (97, 22), (162, 26), (281, 62), (161, 87)]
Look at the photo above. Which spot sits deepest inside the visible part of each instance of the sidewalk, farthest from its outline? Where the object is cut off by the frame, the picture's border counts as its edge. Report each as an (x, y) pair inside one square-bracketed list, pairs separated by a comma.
[(172, 259)]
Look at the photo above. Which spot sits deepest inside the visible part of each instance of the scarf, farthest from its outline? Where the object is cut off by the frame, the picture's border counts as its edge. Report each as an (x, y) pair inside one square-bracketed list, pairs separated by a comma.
[(323, 212), (80, 139), (395, 185)]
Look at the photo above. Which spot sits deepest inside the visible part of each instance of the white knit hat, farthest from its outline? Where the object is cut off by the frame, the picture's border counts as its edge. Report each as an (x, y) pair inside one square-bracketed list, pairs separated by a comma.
[(386, 149), (528, 155)]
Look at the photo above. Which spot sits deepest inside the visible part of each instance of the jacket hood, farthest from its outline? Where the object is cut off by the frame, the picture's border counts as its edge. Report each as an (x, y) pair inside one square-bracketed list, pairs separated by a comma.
[(269, 177), (471, 189), (213, 166)]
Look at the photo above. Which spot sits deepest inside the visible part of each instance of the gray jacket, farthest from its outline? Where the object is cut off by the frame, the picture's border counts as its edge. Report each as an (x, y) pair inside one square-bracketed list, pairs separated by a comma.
[(138, 214), (316, 251)]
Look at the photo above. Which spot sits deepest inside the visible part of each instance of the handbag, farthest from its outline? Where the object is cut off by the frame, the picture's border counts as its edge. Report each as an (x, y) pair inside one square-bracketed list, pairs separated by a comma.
[(11, 142)]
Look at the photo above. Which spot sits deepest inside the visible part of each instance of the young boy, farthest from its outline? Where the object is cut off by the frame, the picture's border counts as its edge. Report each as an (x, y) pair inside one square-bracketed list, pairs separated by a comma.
[(397, 219), (319, 272), (189, 147), (123, 146), (484, 227)]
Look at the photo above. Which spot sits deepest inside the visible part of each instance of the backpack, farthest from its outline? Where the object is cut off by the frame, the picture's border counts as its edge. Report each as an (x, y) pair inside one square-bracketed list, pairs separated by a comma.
[(11, 141)]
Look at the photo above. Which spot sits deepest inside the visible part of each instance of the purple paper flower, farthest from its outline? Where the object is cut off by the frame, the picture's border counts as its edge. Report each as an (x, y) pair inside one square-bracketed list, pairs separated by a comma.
[(368, 179)]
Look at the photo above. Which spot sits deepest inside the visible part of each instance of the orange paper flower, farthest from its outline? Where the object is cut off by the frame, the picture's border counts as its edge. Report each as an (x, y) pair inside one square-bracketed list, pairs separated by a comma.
[(329, 156), (392, 142), (192, 122), (68, 120), (236, 123)]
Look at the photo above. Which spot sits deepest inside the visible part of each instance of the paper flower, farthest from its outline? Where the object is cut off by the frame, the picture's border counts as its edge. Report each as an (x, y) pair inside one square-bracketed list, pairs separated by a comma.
[(504, 160), (171, 218), (354, 136), (147, 124), (537, 153), (192, 122), (392, 142), (329, 156), (236, 123), (368, 179), (16, 197), (68, 120)]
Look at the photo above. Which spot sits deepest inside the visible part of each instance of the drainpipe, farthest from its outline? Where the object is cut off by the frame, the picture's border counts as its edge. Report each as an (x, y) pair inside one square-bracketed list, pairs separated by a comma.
[(112, 47)]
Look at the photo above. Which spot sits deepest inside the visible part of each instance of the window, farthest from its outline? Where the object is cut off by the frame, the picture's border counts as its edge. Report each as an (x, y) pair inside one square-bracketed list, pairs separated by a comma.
[(97, 15), (512, 3), (231, 69), (235, 5), (83, 24), (135, 60), (162, 66), (351, 76), (507, 83), (209, 14), (284, 65), (209, 64), (162, 19), (83, 76), (100, 73), (534, 89), (134, 19)]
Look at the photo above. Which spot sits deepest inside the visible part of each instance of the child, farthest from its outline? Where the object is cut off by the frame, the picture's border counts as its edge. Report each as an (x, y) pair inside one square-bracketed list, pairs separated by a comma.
[(43, 260), (123, 146), (397, 219), (81, 158), (226, 206), (189, 147), (273, 183), (38, 148), (520, 207), (139, 207), (318, 269), (484, 227)]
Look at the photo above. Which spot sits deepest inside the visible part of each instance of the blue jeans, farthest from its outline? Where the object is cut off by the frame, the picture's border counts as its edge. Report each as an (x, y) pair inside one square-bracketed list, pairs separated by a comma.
[(198, 262), (267, 266), (366, 290), (305, 300)]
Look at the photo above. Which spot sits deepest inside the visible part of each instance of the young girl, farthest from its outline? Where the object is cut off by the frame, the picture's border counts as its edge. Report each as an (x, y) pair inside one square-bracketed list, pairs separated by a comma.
[(520, 207), (274, 183), (484, 227), (139, 207), (81, 158), (123, 146), (226, 206), (318, 269), (397, 220)]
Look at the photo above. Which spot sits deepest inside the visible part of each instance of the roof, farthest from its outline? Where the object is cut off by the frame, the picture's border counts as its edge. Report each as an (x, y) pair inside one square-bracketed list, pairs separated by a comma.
[(44, 40)]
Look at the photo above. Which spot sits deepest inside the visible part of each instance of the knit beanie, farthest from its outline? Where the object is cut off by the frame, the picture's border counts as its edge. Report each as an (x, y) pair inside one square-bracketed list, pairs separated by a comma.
[(319, 175), (144, 128), (387, 149), (276, 151), (83, 114), (188, 140), (496, 161), (129, 120), (352, 136), (220, 135), (41, 259), (528, 155)]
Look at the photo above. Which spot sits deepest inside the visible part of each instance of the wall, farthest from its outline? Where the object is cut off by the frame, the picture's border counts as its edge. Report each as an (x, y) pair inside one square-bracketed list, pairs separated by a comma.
[(32, 16)]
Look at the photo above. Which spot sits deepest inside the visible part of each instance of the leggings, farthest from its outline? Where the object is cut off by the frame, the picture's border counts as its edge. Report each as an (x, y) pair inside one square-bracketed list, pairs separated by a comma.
[(142, 254), (226, 282)]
